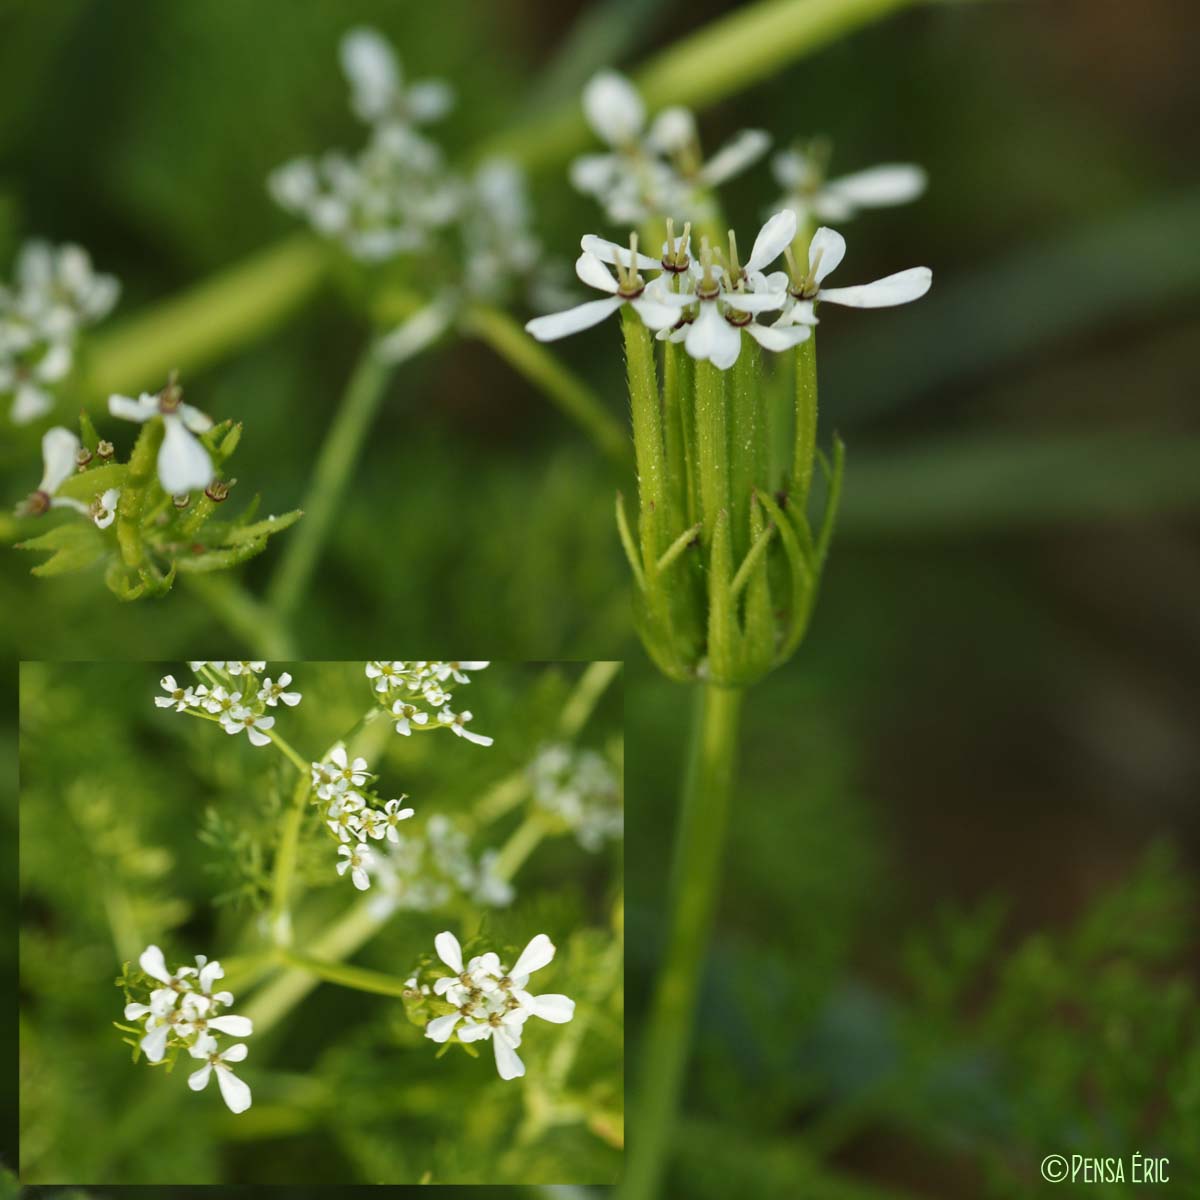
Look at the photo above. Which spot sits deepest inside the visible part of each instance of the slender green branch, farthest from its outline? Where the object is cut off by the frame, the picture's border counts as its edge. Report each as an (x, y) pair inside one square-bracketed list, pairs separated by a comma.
[(696, 876), (712, 444), (290, 754), (536, 364), (233, 308), (583, 700), (243, 615), (278, 920), (653, 510), (331, 475), (358, 978), (520, 845), (806, 423)]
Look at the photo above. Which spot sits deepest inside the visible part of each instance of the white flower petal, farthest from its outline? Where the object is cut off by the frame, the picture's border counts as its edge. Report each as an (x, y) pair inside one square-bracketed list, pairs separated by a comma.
[(552, 1007), (449, 951), (883, 293), (472, 1032), (152, 962), (236, 1053), (594, 273), (658, 316), (154, 1044), (754, 302), (198, 1080), (31, 402), (183, 463), (440, 1028), (508, 1063), (613, 108), (891, 183), (674, 129), (234, 1091), (614, 252), (572, 320), (428, 100), (773, 239), (59, 448), (536, 955), (777, 338), (141, 409), (194, 419), (825, 251), (55, 363), (735, 156), (234, 1026)]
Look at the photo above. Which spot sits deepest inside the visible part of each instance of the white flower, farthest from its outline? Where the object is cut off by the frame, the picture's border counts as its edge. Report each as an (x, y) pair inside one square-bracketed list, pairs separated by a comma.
[(184, 464), (346, 820), (809, 194), (234, 1091), (219, 701), (348, 773), (825, 252), (384, 674), (491, 1002), (243, 668), (456, 723), (103, 509), (357, 860), (25, 377), (408, 715), (60, 448), (393, 814), (272, 693), (657, 307), (376, 83), (179, 698), (457, 670), (240, 717)]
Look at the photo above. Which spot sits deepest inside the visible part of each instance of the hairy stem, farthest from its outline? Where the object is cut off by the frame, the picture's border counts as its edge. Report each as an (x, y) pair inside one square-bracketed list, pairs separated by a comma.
[(699, 842)]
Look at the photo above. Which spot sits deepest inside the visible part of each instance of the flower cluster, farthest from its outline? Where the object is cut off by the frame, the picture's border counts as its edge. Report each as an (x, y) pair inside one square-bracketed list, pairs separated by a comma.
[(708, 303), (415, 692), (801, 172), (56, 294), (233, 696), (655, 171), (353, 812), (488, 1000), (166, 499), (184, 1013), (397, 196), (581, 789), (428, 870)]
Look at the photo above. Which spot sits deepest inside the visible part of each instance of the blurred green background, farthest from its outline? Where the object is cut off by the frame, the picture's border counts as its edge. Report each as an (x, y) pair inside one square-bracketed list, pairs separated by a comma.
[(135, 820), (997, 706)]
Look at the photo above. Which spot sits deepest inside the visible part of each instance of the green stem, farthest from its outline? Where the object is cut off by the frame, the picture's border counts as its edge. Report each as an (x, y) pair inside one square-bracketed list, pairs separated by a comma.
[(531, 360), (748, 439), (139, 479), (233, 308), (520, 845), (696, 876), (358, 978), (243, 615), (290, 754), (806, 423), (278, 919), (331, 475), (593, 683)]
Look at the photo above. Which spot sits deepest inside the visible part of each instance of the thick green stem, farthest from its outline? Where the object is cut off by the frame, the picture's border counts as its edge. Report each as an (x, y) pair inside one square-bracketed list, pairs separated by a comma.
[(139, 479), (330, 478), (243, 615), (358, 978), (748, 441), (712, 445), (536, 364), (806, 423), (233, 308), (279, 922), (696, 875)]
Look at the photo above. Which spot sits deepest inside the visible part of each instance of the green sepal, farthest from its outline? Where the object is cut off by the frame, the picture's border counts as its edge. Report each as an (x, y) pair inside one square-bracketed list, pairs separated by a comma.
[(87, 432), (74, 546), (222, 559), (120, 581)]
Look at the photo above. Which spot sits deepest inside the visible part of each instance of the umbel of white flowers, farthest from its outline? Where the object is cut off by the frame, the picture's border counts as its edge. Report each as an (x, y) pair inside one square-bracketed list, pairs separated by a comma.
[(61, 455), (709, 303), (55, 295), (654, 171), (231, 693), (184, 1012), (492, 1001), (416, 690)]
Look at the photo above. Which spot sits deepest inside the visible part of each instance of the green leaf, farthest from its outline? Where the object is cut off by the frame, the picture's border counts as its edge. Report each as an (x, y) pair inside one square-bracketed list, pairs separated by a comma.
[(89, 484), (74, 547), (264, 528)]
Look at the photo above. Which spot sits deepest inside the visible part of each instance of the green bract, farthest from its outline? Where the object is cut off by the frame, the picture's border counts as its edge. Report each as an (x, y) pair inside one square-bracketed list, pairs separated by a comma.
[(726, 560)]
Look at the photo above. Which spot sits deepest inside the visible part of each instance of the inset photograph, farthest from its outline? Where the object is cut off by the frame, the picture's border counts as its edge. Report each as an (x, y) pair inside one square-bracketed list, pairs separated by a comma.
[(321, 923)]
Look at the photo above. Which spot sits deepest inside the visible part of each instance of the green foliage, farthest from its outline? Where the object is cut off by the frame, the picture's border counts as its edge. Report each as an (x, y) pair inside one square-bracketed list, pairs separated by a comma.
[(173, 832)]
